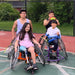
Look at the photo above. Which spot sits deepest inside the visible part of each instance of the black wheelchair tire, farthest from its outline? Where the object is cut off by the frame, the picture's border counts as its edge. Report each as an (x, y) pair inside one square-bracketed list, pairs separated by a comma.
[(40, 55), (63, 49)]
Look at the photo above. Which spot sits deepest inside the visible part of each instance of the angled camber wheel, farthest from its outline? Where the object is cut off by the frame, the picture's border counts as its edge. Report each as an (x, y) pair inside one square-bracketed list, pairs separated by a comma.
[(13, 59), (62, 50), (40, 54)]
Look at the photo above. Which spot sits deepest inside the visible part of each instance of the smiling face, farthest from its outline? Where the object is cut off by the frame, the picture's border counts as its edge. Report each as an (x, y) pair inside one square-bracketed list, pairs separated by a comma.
[(27, 28), (53, 25)]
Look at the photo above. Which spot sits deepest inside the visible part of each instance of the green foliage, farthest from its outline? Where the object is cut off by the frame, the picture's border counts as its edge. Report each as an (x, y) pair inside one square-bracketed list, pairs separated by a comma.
[(7, 12), (64, 11), (35, 10), (38, 11)]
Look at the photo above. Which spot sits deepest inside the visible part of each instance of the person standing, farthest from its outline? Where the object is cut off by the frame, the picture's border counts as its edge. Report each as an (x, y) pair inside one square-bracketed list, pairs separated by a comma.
[(47, 22), (19, 23)]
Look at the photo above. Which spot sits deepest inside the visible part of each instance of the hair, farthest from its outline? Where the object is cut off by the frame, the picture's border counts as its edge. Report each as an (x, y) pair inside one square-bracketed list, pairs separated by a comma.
[(54, 21), (51, 11), (23, 11), (23, 32)]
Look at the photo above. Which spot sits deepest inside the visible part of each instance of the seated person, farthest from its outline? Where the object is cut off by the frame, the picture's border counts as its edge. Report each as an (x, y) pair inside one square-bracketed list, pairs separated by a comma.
[(25, 39), (53, 31)]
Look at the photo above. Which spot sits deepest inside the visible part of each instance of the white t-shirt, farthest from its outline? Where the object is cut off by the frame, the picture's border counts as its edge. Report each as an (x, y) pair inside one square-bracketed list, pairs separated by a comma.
[(53, 32)]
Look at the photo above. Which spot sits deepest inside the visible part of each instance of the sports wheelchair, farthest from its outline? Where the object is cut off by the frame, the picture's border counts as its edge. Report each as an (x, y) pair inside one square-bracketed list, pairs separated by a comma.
[(25, 56), (47, 49)]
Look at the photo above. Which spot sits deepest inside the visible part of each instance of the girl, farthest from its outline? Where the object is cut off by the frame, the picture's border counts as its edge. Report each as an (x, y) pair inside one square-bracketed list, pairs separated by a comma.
[(25, 39)]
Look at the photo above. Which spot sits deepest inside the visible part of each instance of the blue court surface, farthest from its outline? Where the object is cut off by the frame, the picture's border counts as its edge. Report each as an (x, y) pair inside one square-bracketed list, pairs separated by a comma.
[(65, 67)]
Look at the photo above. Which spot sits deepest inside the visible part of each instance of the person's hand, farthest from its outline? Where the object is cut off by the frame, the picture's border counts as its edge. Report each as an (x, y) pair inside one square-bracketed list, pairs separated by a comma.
[(39, 45), (44, 38), (57, 33), (13, 37), (16, 49)]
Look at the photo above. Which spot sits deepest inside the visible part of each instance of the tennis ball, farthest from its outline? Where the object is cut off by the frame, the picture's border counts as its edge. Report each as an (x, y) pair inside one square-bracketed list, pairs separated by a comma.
[(53, 18)]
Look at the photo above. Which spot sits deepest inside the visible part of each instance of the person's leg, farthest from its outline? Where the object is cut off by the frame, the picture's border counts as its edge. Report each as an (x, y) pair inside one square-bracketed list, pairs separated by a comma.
[(31, 50), (55, 42), (29, 66)]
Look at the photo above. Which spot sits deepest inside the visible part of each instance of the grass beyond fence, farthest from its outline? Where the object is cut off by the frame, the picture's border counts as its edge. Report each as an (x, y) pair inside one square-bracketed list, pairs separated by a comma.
[(66, 29)]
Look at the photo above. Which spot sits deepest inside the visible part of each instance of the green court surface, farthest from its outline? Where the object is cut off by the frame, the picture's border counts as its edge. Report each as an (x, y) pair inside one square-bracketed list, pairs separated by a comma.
[(65, 67)]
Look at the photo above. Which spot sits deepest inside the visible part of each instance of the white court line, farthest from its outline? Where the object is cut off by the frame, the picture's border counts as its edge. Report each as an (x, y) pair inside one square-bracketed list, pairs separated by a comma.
[(2, 48), (57, 64), (9, 67), (60, 68), (2, 51), (68, 67), (3, 56), (4, 60), (2, 33)]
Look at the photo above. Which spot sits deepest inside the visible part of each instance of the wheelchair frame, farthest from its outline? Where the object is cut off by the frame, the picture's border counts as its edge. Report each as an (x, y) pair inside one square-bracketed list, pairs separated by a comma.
[(49, 52), (18, 56)]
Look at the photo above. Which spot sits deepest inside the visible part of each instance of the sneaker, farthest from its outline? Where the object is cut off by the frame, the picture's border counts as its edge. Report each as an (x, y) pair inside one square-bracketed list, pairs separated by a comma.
[(35, 67), (29, 67)]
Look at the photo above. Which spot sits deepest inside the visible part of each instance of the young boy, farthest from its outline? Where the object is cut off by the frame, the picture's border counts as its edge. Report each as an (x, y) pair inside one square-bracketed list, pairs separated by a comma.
[(53, 31)]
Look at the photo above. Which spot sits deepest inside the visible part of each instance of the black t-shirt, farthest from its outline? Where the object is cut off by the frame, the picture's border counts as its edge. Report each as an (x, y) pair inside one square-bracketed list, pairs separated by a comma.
[(48, 25)]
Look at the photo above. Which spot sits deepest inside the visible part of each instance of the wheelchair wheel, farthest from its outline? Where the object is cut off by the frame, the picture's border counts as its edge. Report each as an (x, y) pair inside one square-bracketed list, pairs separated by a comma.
[(9, 50), (41, 58), (44, 46), (41, 40), (40, 55), (13, 59), (62, 48)]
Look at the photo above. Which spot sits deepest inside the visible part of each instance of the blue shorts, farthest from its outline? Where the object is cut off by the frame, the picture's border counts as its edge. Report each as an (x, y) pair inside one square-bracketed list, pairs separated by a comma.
[(22, 48)]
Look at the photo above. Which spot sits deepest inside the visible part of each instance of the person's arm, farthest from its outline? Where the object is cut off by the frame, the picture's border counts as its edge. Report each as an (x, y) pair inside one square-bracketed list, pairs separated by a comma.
[(16, 45), (45, 22), (34, 41), (58, 34), (58, 21), (31, 24), (45, 37), (13, 29)]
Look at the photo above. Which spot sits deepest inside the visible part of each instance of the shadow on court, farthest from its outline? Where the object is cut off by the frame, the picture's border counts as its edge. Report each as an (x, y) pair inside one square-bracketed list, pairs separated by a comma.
[(65, 67)]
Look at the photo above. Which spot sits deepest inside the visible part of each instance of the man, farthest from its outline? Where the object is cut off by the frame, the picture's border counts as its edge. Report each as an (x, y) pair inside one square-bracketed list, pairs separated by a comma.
[(19, 23)]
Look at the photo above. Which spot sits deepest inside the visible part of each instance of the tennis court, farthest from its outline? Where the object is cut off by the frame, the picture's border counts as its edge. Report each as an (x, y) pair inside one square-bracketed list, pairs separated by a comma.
[(65, 67)]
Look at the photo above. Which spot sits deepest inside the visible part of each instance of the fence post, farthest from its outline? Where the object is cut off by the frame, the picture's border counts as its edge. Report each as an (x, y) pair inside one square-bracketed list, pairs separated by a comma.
[(26, 5), (74, 18)]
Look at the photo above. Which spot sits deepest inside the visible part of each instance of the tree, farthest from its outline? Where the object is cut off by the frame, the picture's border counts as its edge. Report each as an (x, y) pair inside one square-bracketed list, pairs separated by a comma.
[(35, 10), (7, 12)]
